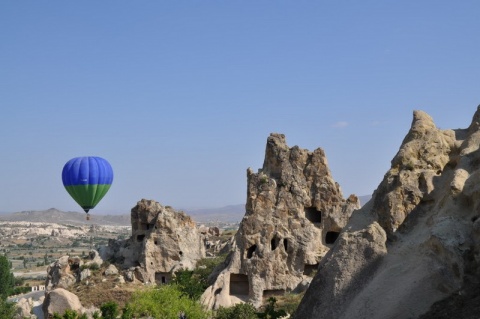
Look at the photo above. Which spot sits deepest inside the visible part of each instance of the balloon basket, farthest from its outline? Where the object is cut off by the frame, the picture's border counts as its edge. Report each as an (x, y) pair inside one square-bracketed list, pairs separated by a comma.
[(88, 217)]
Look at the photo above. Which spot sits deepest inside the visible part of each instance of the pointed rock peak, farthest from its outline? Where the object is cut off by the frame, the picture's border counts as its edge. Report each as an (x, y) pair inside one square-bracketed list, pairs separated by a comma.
[(276, 141), (422, 121), (275, 153), (421, 124), (475, 126)]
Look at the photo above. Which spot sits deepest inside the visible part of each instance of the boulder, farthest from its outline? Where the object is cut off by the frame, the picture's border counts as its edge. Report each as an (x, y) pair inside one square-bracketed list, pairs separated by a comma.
[(24, 308), (59, 300), (111, 270)]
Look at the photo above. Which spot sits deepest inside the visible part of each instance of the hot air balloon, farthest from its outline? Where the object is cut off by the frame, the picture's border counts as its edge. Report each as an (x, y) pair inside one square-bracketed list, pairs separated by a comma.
[(87, 179)]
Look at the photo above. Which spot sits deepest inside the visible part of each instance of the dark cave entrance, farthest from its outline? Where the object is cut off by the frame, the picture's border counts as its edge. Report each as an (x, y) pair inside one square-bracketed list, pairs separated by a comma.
[(274, 243), (313, 215), (331, 237), (250, 251), (239, 284), (309, 270), (163, 277)]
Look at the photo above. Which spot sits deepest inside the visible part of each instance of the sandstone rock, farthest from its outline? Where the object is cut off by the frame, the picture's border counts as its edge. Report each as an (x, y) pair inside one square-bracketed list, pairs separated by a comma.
[(24, 308), (427, 206), (129, 274), (63, 273), (59, 300), (163, 241), (111, 270), (84, 274), (94, 258), (294, 214)]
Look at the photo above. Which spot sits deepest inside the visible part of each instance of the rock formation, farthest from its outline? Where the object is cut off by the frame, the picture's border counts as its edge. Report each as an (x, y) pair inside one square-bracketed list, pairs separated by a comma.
[(59, 300), (63, 273), (294, 213), (416, 241), (163, 241)]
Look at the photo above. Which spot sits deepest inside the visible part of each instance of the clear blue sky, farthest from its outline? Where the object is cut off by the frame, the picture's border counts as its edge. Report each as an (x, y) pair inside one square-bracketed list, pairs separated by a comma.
[(180, 96)]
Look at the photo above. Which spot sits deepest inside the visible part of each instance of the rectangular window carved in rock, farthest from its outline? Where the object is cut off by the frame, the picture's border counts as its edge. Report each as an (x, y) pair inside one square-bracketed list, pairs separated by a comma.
[(239, 284), (313, 215)]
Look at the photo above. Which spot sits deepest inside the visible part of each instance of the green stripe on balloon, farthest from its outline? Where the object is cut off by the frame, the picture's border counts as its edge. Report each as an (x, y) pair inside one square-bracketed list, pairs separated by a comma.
[(88, 196)]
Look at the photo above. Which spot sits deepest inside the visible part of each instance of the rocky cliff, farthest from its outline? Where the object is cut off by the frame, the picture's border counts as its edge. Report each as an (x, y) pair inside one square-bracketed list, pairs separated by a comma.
[(416, 241), (163, 240), (294, 213)]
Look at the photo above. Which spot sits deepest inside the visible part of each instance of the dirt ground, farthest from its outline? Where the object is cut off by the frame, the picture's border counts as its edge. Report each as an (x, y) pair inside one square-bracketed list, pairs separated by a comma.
[(102, 289)]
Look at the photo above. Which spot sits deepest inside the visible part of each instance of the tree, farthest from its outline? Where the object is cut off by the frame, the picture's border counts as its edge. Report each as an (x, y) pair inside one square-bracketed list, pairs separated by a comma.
[(7, 280), (270, 312), (7, 309)]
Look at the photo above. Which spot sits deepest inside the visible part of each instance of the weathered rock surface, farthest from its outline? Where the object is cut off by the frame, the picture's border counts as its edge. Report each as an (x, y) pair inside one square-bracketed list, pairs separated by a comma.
[(111, 270), (24, 307), (163, 241), (294, 213), (63, 273), (59, 300), (416, 241)]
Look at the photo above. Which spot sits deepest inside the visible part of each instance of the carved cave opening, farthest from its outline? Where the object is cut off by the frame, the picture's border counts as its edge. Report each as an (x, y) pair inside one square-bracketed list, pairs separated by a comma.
[(274, 243), (163, 277), (250, 251), (285, 244), (313, 215), (309, 270), (331, 237), (140, 238), (239, 284)]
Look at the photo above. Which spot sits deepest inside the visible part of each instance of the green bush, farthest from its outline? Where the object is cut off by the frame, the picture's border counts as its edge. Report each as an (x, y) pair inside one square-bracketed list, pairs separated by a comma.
[(239, 311), (166, 301), (69, 314), (193, 283), (109, 310), (189, 284)]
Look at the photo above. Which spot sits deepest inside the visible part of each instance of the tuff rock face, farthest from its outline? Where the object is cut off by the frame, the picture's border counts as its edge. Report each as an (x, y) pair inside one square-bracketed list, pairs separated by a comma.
[(163, 241), (416, 241), (294, 213)]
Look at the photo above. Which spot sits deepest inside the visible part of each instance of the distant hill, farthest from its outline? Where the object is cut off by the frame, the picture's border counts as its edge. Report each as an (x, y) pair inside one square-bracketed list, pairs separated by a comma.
[(230, 213), (54, 215)]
